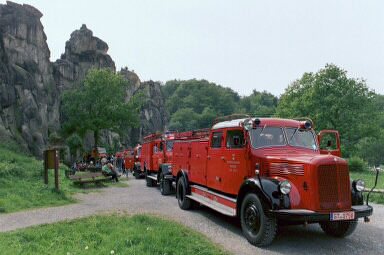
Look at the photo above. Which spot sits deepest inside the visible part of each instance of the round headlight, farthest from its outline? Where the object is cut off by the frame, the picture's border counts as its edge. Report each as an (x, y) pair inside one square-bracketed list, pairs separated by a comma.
[(359, 185), (285, 187)]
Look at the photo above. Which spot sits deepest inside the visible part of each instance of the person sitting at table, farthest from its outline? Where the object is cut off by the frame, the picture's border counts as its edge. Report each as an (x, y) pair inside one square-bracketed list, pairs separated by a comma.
[(107, 170)]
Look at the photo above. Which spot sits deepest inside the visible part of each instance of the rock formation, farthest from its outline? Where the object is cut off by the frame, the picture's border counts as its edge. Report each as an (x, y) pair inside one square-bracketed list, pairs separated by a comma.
[(28, 93), (153, 115), (30, 85), (83, 51)]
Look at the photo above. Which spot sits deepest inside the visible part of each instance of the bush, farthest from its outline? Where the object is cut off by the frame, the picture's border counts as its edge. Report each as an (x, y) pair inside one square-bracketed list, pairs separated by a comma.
[(356, 164)]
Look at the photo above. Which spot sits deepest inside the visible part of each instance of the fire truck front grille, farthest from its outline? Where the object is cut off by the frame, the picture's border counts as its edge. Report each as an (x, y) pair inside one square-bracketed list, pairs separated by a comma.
[(333, 184), (286, 169)]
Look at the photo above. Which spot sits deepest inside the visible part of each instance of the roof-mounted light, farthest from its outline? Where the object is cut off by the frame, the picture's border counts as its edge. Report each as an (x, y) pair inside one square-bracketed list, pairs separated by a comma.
[(256, 122), (307, 124)]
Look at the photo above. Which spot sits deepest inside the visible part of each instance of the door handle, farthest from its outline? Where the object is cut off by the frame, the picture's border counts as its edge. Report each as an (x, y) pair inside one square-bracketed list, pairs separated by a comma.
[(222, 157), (208, 157)]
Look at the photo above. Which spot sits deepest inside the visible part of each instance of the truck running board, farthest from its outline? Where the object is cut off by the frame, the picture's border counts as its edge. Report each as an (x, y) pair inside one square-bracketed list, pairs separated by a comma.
[(213, 200)]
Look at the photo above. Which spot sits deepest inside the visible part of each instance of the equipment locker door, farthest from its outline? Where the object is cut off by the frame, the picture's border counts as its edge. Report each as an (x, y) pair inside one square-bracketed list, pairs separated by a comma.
[(215, 160), (235, 162)]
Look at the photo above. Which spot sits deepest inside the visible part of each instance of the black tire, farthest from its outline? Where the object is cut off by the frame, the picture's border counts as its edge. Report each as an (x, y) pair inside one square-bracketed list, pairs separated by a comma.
[(148, 180), (338, 228), (181, 193), (136, 174), (165, 186), (258, 228)]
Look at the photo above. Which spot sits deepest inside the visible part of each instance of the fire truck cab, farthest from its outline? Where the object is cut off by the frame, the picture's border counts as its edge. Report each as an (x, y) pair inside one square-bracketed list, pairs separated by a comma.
[(267, 171), (157, 155)]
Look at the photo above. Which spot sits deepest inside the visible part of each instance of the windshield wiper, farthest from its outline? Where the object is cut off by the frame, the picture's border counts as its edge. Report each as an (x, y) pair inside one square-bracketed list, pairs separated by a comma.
[(294, 132), (262, 129)]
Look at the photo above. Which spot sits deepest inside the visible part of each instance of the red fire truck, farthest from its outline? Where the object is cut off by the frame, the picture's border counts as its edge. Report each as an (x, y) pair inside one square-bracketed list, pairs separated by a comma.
[(267, 171), (156, 158), (129, 158)]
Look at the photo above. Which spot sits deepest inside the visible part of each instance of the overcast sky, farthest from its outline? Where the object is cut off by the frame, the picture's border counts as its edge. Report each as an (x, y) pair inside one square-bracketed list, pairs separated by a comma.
[(245, 45)]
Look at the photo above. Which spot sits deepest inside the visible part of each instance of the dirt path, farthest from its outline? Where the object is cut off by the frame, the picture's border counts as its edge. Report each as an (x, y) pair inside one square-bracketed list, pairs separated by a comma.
[(137, 198)]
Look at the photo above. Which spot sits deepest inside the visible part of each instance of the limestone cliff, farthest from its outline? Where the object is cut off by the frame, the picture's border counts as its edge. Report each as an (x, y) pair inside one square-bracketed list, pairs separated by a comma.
[(30, 85)]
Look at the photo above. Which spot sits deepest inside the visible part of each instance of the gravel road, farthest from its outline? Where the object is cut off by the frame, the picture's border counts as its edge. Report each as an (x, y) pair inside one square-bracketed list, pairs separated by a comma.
[(368, 238)]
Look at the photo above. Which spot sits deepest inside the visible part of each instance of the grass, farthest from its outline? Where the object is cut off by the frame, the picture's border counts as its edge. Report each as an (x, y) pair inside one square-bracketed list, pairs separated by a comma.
[(22, 184), (102, 234), (369, 179)]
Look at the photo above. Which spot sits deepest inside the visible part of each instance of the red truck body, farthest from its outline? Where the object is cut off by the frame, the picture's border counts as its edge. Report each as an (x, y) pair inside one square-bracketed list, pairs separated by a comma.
[(266, 171), (129, 158)]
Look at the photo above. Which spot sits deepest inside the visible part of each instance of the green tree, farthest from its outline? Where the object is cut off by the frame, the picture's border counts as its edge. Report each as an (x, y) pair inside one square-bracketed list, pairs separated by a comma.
[(74, 144), (261, 104), (184, 119), (333, 101), (99, 104), (371, 149)]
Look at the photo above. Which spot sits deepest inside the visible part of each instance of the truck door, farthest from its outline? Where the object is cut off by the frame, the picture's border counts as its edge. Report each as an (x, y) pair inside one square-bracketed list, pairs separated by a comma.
[(329, 142), (234, 169), (215, 160), (157, 155)]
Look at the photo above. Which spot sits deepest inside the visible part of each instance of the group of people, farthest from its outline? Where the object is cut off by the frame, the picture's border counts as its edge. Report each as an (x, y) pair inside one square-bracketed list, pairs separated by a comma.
[(110, 166), (108, 170)]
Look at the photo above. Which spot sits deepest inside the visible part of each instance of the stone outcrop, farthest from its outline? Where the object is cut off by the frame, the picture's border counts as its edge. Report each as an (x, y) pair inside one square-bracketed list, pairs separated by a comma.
[(83, 51), (28, 90), (30, 85), (153, 115)]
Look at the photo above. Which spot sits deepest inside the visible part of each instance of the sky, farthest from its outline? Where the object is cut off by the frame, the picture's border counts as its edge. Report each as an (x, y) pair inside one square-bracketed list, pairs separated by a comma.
[(244, 45)]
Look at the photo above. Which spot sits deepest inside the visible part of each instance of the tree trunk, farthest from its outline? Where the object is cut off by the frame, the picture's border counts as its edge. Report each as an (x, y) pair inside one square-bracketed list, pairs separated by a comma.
[(96, 137)]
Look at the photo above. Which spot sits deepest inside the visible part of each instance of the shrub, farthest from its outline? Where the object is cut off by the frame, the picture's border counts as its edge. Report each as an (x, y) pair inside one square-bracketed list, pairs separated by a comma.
[(356, 164)]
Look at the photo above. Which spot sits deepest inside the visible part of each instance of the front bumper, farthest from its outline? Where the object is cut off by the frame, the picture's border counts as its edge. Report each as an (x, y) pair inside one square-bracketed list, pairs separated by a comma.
[(311, 216)]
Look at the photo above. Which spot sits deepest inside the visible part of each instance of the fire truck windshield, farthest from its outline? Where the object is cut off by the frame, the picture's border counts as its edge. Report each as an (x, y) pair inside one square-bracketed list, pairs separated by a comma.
[(266, 137), (169, 145), (274, 136), (301, 138)]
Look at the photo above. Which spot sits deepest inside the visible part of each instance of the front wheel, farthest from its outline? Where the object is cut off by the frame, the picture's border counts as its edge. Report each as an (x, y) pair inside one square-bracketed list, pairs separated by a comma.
[(149, 181), (165, 186), (181, 193), (338, 228), (258, 228)]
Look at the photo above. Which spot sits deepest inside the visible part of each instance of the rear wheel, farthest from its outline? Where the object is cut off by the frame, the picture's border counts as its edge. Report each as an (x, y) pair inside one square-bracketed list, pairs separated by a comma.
[(258, 228), (338, 228), (165, 186), (181, 193)]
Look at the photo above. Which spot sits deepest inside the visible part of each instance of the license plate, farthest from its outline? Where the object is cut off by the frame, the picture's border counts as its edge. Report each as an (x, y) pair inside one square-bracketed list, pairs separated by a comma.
[(342, 216)]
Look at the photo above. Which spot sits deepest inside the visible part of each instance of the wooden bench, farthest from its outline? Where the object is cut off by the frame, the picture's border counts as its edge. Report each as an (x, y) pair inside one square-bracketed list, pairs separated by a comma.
[(69, 172), (83, 179)]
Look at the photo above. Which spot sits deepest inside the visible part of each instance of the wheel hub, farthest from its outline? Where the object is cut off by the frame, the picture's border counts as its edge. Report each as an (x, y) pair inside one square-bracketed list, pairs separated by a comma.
[(252, 218)]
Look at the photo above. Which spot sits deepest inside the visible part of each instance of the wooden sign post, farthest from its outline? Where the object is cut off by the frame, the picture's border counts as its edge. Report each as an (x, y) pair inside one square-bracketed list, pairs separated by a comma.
[(51, 161)]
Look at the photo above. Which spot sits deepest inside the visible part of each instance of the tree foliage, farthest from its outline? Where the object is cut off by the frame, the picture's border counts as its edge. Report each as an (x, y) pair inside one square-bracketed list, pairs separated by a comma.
[(74, 144), (98, 104), (194, 104), (261, 104), (333, 101)]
